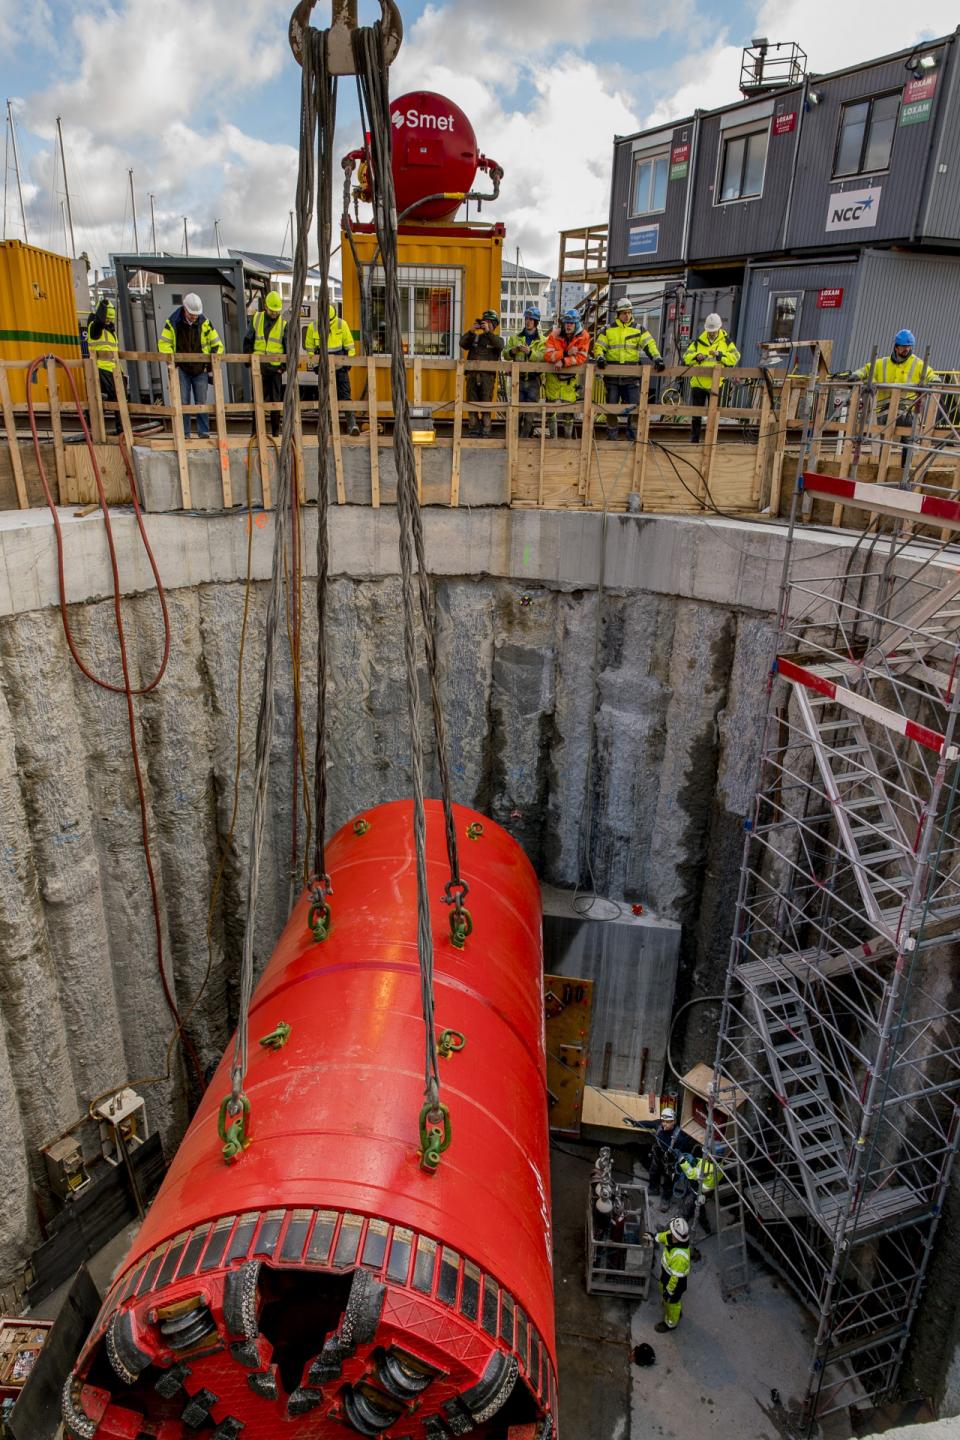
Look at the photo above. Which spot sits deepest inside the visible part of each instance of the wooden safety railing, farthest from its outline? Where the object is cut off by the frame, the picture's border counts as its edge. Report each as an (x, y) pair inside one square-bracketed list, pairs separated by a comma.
[(738, 467)]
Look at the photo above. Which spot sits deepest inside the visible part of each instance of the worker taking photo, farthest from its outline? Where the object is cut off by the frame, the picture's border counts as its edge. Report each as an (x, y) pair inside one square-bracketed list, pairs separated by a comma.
[(104, 346), (481, 342)]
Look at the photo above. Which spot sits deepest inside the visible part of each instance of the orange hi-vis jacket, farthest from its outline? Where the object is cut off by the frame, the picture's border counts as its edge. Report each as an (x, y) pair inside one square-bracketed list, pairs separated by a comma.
[(569, 353)]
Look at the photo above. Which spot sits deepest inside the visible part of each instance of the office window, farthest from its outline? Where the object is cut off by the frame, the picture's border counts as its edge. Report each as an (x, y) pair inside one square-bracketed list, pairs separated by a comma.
[(650, 183), (867, 128), (742, 162)]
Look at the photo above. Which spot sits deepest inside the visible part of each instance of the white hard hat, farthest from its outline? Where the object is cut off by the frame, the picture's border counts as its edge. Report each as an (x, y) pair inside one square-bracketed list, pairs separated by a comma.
[(713, 322), (193, 304), (668, 1113), (679, 1229)]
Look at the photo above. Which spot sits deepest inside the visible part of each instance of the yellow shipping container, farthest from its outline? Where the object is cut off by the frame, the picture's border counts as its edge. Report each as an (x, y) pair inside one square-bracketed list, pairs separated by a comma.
[(38, 314), (449, 274)]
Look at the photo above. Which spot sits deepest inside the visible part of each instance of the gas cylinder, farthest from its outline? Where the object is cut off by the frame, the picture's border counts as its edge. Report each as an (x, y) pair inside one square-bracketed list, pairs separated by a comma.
[(328, 1282), (434, 152)]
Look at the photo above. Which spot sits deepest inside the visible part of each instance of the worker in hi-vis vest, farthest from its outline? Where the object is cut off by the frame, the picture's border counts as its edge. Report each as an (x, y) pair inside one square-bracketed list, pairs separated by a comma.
[(104, 347), (623, 344), (900, 367), (712, 347), (267, 336), (189, 336), (674, 1270), (339, 342)]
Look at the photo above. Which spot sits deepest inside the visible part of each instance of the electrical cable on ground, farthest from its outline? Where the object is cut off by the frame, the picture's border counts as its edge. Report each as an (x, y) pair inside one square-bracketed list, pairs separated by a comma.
[(127, 688)]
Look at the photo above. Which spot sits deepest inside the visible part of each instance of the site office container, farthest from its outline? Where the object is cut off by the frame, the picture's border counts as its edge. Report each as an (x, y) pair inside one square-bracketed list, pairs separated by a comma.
[(38, 315), (449, 274)]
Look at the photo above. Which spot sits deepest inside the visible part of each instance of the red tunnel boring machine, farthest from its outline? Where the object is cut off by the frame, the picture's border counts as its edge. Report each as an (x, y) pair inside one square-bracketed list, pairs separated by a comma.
[(325, 1284)]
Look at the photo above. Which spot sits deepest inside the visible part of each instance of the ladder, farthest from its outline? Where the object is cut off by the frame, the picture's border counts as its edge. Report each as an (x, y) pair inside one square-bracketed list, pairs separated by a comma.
[(729, 1214)]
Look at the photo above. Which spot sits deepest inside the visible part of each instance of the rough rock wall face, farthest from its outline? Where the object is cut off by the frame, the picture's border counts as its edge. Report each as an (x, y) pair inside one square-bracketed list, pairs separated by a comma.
[(652, 793)]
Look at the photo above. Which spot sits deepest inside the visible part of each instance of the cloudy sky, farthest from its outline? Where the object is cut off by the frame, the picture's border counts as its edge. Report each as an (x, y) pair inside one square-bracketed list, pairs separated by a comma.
[(200, 98)]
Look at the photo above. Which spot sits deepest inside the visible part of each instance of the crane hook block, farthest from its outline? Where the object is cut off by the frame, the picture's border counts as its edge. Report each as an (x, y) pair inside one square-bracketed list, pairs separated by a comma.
[(340, 59)]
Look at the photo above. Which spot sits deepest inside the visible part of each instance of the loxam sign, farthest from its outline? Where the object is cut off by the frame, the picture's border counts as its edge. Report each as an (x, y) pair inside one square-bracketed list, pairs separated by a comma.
[(853, 209)]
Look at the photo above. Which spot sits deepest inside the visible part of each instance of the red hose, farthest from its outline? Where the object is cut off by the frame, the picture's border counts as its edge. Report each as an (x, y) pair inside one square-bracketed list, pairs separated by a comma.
[(126, 689)]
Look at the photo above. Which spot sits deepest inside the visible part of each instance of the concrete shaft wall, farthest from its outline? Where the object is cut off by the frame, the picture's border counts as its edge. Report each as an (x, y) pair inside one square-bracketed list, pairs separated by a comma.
[(615, 734)]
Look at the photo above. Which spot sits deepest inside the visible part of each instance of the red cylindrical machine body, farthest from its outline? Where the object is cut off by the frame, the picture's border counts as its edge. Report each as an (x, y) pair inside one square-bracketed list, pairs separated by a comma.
[(326, 1284), (434, 152)]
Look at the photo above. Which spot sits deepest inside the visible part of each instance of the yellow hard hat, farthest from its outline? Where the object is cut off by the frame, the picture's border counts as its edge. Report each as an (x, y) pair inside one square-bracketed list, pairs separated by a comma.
[(333, 312), (273, 302)]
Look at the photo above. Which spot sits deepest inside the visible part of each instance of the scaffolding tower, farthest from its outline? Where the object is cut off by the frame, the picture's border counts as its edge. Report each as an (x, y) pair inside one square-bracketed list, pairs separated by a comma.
[(838, 1037)]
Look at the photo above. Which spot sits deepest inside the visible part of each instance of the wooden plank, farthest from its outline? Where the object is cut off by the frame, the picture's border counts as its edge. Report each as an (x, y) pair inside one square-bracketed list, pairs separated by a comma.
[(335, 430), (179, 439), (568, 1003), (763, 442), (543, 457), (776, 476), (710, 443), (457, 433), (886, 448), (513, 427), (586, 439), (418, 400), (846, 450), (373, 422), (56, 426), (123, 410), (221, 418), (301, 475), (641, 447), (13, 444), (260, 422), (91, 375)]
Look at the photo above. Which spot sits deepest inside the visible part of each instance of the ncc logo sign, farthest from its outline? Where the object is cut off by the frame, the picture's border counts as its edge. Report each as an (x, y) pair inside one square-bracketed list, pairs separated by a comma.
[(853, 209)]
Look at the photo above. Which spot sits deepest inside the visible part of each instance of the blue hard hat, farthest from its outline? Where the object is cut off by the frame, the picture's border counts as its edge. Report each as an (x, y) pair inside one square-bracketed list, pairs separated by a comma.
[(570, 316), (905, 337), (533, 312)]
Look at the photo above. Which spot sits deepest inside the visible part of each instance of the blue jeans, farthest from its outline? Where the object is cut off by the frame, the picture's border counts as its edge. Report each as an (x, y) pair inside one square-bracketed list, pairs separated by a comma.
[(621, 392), (193, 391)]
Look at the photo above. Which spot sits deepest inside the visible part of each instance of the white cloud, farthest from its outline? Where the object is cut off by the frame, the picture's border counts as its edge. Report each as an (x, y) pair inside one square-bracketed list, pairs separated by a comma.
[(544, 112), (832, 36)]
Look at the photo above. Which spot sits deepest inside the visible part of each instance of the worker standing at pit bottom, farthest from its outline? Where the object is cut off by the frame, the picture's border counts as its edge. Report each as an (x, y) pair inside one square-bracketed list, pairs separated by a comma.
[(674, 1270), (670, 1145)]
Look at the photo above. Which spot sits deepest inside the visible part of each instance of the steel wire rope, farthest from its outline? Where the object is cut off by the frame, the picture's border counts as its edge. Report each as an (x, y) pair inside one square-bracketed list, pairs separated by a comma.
[(129, 691), (325, 125), (372, 74), (314, 81)]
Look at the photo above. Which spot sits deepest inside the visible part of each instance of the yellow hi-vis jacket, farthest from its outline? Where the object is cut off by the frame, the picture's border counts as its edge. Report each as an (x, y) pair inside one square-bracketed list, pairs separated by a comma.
[(674, 1261), (887, 371), (269, 342), (695, 1169), (698, 352), (622, 344), (339, 341), (210, 342), (105, 348)]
